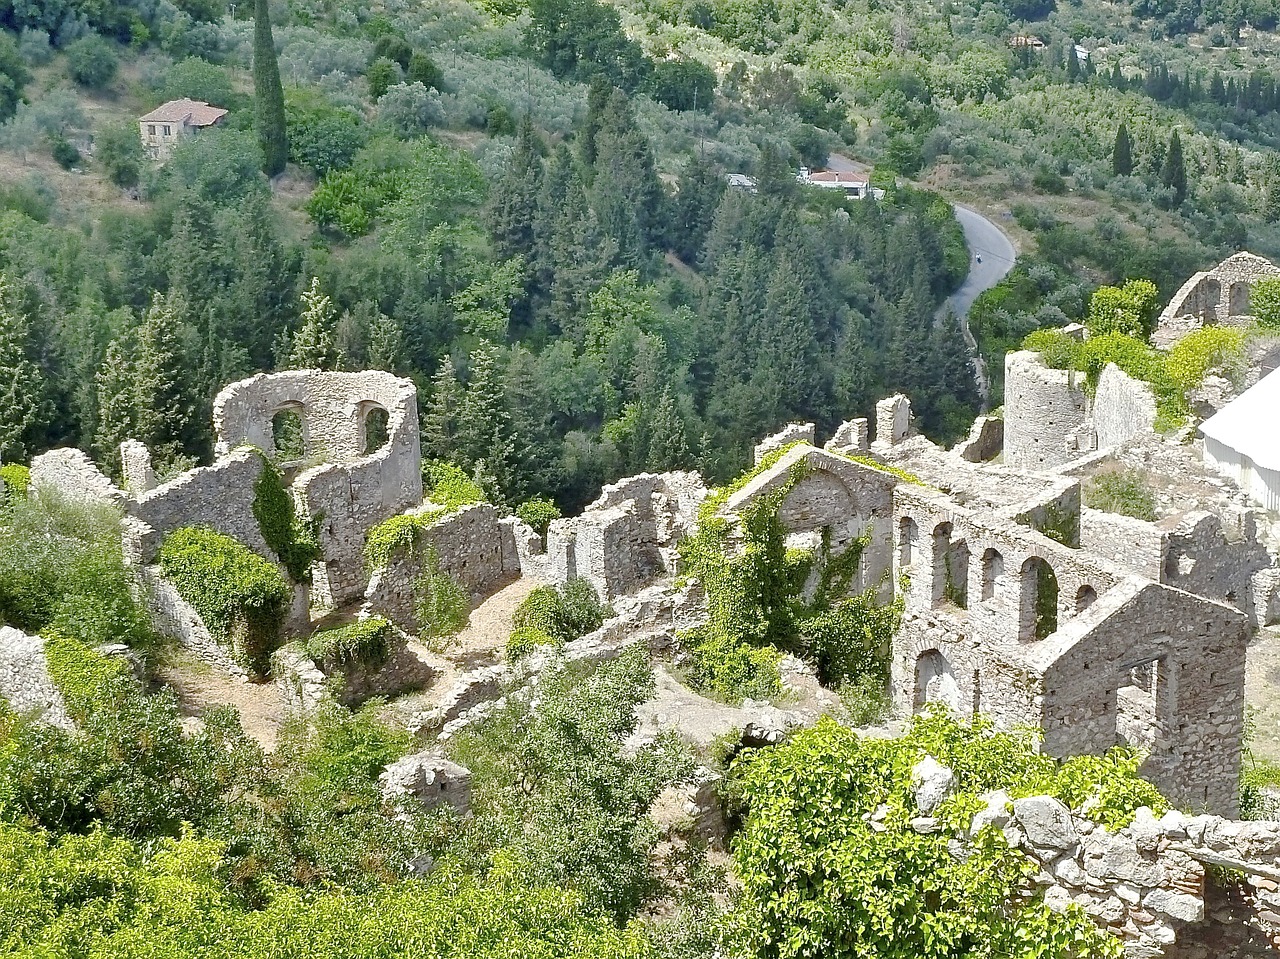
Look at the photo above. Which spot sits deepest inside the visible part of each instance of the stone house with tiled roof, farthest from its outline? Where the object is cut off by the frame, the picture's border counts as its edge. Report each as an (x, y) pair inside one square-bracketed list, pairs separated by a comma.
[(163, 127)]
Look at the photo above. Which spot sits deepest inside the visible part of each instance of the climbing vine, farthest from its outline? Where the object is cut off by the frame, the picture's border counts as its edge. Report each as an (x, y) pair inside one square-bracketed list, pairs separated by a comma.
[(448, 489), (293, 539), (763, 597), (241, 597)]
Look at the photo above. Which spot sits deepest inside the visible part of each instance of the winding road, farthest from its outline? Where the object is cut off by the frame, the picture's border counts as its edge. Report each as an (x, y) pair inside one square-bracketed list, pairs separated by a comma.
[(991, 257)]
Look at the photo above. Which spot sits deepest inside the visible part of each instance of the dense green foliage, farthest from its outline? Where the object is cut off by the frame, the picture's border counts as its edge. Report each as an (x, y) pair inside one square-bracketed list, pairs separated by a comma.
[(241, 597), (762, 597), (821, 878), (364, 642), (293, 540), (15, 479), (440, 603), (538, 513), (268, 94), (555, 615)]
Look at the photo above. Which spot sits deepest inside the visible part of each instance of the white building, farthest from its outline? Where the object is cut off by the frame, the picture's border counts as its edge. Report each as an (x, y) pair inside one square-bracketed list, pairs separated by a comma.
[(163, 127), (1242, 441)]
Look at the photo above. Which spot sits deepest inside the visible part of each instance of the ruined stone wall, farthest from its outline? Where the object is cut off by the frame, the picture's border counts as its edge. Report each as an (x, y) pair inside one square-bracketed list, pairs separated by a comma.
[(845, 497), (791, 433), (1044, 411), (1215, 296), (1216, 560), (1134, 544), (475, 549), (984, 442), (70, 474), (174, 617), (626, 538), (1122, 408), (219, 496), (1162, 670), (303, 683), (25, 683)]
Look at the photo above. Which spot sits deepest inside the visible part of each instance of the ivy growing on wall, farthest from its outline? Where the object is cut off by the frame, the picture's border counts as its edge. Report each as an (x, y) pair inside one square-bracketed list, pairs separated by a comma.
[(365, 643), (292, 538), (448, 489), (763, 597), (241, 597)]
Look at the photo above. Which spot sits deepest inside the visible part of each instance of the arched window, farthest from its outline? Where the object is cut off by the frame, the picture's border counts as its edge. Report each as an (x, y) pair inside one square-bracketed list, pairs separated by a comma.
[(950, 568), (936, 682), (1085, 596), (375, 429), (992, 571), (288, 433), (908, 533), (1038, 611)]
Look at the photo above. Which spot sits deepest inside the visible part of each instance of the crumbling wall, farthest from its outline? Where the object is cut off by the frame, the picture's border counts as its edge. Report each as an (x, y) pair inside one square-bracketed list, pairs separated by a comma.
[(627, 537), (1206, 557), (791, 433), (1134, 544), (1162, 670), (174, 617), (304, 683), (1044, 410), (70, 473), (474, 548), (984, 442), (1122, 408), (1215, 296), (219, 496), (25, 683), (852, 436)]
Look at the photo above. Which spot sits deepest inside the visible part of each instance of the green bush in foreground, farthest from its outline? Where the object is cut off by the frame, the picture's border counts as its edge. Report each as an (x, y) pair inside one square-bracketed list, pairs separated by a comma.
[(551, 616), (820, 879), (364, 642), (241, 597), (14, 480)]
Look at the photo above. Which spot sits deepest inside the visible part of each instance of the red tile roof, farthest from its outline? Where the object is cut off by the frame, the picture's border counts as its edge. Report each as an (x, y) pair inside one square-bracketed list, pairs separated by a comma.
[(195, 113)]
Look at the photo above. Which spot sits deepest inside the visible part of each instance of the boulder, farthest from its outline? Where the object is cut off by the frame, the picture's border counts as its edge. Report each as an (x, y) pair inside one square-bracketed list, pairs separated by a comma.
[(931, 782), (429, 778), (1046, 822)]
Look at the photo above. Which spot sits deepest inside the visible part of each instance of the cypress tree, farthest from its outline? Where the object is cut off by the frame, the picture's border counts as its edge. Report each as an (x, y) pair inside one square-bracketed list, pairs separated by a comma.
[(1122, 153), (1174, 172), (269, 95), (21, 385)]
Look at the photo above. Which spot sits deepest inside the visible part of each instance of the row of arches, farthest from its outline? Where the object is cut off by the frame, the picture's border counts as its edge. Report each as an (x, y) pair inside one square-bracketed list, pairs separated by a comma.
[(1037, 583)]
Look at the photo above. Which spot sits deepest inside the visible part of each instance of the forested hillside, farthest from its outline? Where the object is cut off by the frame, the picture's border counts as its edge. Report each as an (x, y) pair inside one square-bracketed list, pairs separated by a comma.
[(520, 209)]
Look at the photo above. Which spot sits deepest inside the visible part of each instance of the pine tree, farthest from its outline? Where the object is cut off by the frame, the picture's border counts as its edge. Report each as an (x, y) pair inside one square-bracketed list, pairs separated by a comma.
[(1122, 153), (668, 444), (313, 346), (1073, 62), (272, 134), (167, 408), (440, 417), (484, 434), (386, 343), (513, 203), (1174, 172), (22, 390)]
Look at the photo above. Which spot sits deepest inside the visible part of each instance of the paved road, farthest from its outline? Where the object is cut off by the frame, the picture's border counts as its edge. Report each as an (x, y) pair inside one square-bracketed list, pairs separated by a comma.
[(986, 241)]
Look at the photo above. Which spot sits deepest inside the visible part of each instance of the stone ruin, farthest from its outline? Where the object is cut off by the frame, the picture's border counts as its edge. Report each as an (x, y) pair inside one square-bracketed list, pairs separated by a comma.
[(1214, 297)]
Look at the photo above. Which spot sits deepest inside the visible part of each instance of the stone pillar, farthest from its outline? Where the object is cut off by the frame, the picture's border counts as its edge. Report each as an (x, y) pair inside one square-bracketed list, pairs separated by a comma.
[(853, 436), (893, 419), (135, 464)]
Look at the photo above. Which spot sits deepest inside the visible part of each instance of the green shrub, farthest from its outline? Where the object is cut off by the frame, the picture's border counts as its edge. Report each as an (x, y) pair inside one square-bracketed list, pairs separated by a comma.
[(541, 610), (525, 639), (63, 152), (538, 513), (442, 606), (119, 150), (293, 540), (1057, 349), (1201, 351), (91, 61), (15, 479), (449, 486), (580, 608), (1128, 309), (829, 830), (1122, 491), (241, 597), (731, 670), (1264, 303), (364, 642)]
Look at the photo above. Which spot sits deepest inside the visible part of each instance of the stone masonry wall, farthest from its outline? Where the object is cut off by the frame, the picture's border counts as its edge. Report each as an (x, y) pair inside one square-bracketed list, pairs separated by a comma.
[(219, 496), (1122, 408), (474, 548), (1044, 409), (1135, 544), (24, 679), (71, 474), (174, 617), (1215, 296), (791, 433)]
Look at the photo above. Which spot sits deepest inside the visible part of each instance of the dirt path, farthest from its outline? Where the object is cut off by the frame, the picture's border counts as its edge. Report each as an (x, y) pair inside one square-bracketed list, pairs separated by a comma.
[(200, 687), (1262, 693), (482, 641)]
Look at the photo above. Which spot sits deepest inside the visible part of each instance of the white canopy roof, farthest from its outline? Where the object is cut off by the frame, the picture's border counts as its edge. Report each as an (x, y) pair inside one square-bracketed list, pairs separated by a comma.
[(1250, 424)]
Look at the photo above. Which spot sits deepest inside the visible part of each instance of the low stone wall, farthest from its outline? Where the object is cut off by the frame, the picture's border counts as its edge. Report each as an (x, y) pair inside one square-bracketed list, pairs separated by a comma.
[(70, 473), (475, 549), (174, 617), (24, 679), (303, 683), (1135, 544), (984, 442), (791, 433)]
